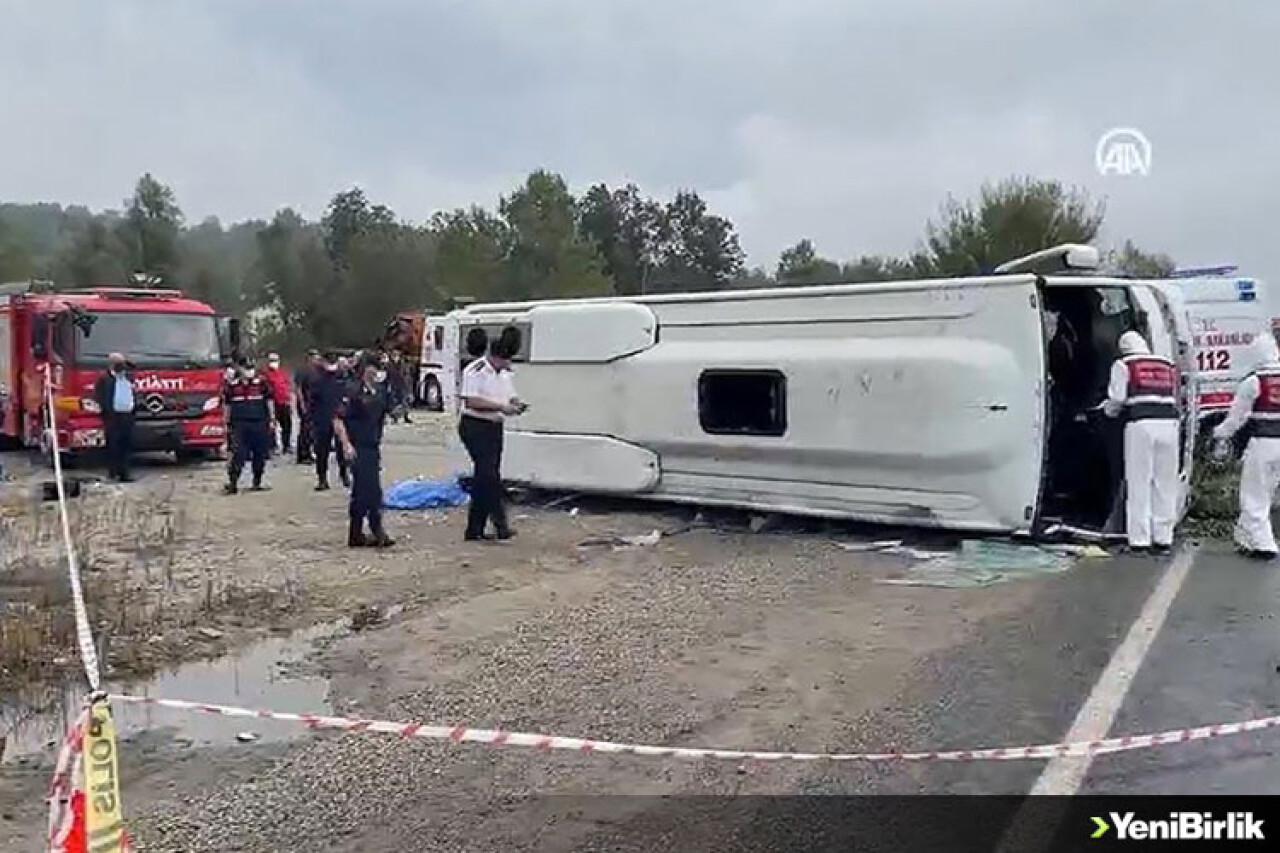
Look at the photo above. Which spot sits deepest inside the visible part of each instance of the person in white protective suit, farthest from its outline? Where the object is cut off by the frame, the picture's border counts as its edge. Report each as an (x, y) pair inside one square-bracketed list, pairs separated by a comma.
[(1256, 408), (1144, 391)]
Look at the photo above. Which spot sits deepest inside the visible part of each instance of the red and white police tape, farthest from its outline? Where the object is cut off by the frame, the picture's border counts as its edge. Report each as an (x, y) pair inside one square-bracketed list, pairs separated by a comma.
[(492, 737), (62, 787)]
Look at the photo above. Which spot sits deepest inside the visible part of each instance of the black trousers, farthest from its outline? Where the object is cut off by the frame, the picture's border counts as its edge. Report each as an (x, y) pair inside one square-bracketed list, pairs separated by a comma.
[(366, 488), (284, 416), (305, 436), (325, 441), (118, 427), (250, 442), (483, 440)]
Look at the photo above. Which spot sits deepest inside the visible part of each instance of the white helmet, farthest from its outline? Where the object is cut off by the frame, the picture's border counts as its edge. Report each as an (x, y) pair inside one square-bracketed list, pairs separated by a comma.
[(1132, 343), (1264, 350)]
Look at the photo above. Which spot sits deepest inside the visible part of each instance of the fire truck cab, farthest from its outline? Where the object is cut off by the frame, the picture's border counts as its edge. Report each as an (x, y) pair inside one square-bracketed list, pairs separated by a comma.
[(176, 348)]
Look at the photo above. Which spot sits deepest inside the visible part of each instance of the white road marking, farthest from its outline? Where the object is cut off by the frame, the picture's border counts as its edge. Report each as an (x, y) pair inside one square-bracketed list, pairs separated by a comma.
[(1065, 775)]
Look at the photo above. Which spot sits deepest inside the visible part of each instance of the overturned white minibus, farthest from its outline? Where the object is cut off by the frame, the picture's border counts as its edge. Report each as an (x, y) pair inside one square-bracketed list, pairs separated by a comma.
[(968, 404)]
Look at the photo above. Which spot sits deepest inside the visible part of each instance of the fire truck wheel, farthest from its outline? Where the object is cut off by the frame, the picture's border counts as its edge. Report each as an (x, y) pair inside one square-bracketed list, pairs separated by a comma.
[(434, 399)]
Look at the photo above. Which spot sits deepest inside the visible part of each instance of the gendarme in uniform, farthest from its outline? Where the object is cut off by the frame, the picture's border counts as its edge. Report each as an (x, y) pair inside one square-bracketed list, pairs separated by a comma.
[(359, 423), (250, 416)]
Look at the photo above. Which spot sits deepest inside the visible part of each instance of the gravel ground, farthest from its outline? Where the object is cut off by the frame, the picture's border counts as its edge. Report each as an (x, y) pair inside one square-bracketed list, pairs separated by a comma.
[(714, 636)]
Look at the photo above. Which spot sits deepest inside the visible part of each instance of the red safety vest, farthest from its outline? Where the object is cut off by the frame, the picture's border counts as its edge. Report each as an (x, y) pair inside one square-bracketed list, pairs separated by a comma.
[(1153, 388), (247, 399), (1264, 420)]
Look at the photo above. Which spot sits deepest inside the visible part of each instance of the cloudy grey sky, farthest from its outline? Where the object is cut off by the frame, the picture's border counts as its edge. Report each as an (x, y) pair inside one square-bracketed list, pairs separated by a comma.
[(847, 121)]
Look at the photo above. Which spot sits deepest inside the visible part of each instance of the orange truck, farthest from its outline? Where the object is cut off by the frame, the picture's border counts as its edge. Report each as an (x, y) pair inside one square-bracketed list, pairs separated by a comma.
[(405, 334)]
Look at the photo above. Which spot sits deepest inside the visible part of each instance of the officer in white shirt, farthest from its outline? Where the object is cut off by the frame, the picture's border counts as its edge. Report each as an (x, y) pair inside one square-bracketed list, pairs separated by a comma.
[(488, 398)]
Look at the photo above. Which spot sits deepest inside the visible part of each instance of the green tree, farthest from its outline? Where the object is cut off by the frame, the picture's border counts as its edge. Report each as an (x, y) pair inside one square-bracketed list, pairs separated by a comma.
[(1131, 261), (15, 261), (37, 232), (470, 255), (756, 278), (94, 255), (151, 229), (869, 268), (348, 216), (292, 266), (625, 227), (391, 269), (800, 264), (546, 255), (212, 267), (697, 250), (1009, 219)]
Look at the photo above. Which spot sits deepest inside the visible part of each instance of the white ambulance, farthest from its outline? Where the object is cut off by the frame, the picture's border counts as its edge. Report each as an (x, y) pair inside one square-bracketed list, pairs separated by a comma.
[(1227, 311)]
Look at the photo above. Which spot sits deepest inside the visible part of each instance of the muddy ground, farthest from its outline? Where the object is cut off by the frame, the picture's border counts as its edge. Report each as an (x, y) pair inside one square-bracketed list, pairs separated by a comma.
[(716, 635)]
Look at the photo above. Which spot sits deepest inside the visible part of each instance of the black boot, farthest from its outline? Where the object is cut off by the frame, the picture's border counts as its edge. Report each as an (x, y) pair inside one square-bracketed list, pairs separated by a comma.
[(380, 538), (356, 537), (322, 486), (231, 489)]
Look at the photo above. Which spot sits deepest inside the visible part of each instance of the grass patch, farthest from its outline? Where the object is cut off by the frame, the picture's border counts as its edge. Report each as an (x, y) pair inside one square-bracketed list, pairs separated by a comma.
[(1215, 489)]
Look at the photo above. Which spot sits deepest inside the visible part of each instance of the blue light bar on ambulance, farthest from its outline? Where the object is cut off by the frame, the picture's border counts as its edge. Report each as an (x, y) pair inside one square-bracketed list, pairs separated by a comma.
[(1204, 272)]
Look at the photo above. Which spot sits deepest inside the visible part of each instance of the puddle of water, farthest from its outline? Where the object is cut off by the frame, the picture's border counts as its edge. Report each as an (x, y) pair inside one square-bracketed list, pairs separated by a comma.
[(257, 677)]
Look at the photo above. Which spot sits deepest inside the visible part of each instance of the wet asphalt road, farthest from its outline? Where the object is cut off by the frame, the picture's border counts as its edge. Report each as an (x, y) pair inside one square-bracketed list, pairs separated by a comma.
[(1024, 680), (1215, 661)]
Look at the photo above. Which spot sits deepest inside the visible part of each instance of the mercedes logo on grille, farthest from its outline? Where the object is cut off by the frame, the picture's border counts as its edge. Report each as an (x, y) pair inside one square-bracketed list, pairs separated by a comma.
[(155, 404)]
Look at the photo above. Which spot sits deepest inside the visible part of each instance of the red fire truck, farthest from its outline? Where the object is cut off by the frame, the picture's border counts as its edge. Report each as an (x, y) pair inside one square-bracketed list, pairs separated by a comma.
[(176, 347)]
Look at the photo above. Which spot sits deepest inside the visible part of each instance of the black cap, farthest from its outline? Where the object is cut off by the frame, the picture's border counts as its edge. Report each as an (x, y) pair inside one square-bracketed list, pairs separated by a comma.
[(477, 342), (508, 343)]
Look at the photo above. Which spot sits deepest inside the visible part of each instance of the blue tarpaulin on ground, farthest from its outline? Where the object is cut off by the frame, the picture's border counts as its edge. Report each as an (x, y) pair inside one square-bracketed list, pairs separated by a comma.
[(425, 494)]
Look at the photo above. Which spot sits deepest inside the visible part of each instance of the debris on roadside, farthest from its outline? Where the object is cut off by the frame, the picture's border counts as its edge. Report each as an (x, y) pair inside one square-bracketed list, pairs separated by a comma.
[(1083, 552), (246, 737), (985, 562), (618, 542), (366, 616), (879, 545), (210, 633), (891, 546), (561, 501), (1082, 534)]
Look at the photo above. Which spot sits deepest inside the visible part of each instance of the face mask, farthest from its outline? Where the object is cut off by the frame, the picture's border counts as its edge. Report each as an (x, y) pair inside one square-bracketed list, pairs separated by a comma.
[(380, 376), (274, 365), (248, 372)]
